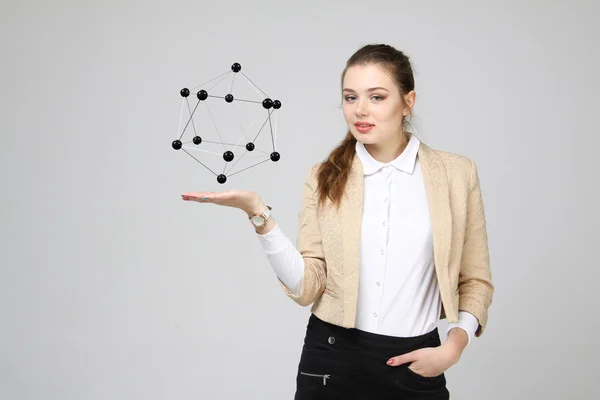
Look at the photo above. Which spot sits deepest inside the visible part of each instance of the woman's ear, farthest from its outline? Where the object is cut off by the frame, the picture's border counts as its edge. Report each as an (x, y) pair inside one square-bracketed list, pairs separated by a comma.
[(409, 101)]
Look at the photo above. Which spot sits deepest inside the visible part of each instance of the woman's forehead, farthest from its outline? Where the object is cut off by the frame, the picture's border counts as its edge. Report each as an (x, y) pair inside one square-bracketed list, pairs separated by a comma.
[(363, 78)]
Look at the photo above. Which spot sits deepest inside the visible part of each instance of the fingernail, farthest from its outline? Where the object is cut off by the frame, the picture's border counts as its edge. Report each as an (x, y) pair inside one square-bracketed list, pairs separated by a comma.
[(390, 361)]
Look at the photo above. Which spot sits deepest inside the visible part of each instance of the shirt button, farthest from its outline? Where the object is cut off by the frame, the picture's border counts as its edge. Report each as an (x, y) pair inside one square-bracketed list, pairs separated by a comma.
[(381, 252), (383, 223), (378, 284), (386, 199), (375, 315)]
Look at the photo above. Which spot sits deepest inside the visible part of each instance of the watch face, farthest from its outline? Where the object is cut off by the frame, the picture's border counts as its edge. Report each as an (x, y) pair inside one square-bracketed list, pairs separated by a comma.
[(258, 221)]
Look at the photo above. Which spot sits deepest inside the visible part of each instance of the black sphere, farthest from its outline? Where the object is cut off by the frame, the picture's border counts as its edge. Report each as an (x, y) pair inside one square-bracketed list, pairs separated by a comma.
[(176, 144), (236, 67), (275, 156), (228, 156), (221, 178), (277, 104), (267, 103), (229, 98), (185, 92), (202, 95), (250, 146), (197, 140)]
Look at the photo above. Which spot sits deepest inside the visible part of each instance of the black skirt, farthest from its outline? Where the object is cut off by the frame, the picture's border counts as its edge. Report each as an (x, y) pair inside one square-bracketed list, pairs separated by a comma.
[(340, 363)]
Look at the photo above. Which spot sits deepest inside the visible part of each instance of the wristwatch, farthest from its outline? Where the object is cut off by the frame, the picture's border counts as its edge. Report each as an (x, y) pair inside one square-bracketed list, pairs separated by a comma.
[(259, 220)]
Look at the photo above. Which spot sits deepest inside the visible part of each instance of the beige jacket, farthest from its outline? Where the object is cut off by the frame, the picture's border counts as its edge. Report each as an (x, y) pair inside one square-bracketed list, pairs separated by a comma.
[(329, 241)]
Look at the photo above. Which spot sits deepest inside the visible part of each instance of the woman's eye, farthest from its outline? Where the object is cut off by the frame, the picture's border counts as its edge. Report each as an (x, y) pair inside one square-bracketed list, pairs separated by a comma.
[(352, 98)]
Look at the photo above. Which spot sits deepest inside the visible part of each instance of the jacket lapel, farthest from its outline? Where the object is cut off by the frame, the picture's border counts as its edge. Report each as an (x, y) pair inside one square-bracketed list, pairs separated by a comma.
[(438, 198), (350, 222)]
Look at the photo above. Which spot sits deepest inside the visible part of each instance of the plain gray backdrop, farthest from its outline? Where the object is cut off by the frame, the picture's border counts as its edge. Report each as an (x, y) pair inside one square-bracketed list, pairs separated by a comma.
[(112, 287)]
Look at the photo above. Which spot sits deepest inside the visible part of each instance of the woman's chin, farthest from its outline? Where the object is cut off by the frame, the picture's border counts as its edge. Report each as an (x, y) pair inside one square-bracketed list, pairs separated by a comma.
[(365, 138)]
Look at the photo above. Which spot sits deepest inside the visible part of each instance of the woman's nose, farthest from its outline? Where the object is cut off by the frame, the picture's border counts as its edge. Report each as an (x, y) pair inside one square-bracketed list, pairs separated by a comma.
[(361, 109)]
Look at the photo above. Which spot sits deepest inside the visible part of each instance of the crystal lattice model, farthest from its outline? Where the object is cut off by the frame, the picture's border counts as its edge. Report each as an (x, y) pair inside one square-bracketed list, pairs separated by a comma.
[(227, 109)]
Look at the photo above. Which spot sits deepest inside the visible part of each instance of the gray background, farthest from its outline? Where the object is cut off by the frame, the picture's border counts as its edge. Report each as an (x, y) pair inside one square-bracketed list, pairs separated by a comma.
[(112, 287)]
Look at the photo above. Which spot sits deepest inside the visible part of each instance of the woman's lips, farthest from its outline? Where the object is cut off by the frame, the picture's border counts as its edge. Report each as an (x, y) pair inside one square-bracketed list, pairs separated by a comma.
[(363, 128)]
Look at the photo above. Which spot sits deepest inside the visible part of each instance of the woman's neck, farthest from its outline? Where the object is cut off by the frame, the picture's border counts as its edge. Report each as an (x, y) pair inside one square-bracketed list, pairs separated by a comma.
[(389, 151)]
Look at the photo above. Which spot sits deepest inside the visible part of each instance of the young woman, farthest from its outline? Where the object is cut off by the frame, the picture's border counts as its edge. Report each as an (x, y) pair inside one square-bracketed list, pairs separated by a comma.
[(392, 238)]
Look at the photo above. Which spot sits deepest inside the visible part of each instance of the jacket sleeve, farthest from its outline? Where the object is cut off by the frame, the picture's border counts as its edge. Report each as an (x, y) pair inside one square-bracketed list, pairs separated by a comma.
[(475, 278), (310, 246)]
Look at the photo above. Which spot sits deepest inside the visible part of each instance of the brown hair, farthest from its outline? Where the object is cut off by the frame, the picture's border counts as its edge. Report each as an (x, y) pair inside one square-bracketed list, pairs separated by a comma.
[(332, 173)]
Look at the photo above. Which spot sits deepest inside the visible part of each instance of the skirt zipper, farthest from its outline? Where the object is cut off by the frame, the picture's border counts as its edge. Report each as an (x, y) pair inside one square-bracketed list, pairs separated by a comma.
[(325, 377)]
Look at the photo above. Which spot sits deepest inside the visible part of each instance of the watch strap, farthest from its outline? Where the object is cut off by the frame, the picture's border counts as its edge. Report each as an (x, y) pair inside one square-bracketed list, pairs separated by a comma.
[(265, 215)]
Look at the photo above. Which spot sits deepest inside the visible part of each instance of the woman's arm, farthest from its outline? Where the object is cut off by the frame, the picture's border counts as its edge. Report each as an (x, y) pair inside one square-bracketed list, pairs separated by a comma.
[(475, 279), (301, 269)]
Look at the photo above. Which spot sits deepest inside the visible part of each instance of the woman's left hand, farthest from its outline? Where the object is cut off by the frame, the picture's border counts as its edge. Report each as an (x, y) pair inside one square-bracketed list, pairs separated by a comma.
[(428, 361)]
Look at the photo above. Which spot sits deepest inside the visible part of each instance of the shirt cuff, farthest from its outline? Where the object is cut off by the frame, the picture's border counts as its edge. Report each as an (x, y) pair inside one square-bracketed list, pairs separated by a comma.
[(467, 322), (273, 241)]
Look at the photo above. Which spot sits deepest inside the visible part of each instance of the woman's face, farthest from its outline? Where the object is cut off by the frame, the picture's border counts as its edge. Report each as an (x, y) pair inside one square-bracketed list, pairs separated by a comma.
[(372, 105)]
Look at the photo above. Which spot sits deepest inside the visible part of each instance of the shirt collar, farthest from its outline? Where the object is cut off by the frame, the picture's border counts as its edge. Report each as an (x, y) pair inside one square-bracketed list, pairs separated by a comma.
[(404, 162)]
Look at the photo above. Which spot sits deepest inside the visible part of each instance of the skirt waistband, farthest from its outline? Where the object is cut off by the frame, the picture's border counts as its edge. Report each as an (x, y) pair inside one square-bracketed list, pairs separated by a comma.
[(320, 333)]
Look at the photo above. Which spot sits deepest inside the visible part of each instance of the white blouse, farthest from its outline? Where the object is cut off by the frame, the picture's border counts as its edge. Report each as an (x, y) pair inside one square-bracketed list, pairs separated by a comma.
[(398, 291)]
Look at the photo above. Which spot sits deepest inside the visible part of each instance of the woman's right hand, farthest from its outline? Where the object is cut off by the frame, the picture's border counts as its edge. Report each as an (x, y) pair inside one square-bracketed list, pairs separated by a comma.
[(247, 201)]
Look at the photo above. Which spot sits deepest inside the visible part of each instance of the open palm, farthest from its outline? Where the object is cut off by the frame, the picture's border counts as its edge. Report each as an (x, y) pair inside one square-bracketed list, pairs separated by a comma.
[(244, 200)]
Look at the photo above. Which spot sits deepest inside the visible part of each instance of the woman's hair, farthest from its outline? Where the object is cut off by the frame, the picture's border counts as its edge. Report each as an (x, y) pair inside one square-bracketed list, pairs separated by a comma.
[(332, 173)]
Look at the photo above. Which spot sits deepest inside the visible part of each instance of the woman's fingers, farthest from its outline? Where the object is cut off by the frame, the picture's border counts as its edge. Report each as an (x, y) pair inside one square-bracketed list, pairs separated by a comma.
[(202, 196), (230, 198), (208, 197)]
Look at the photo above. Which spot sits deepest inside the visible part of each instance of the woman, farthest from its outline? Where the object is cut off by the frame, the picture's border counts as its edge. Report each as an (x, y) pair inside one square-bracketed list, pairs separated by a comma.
[(391, 239)]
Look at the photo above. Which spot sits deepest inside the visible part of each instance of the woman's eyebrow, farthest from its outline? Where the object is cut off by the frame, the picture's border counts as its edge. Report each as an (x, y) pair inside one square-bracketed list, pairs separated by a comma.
[(368, 90)]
